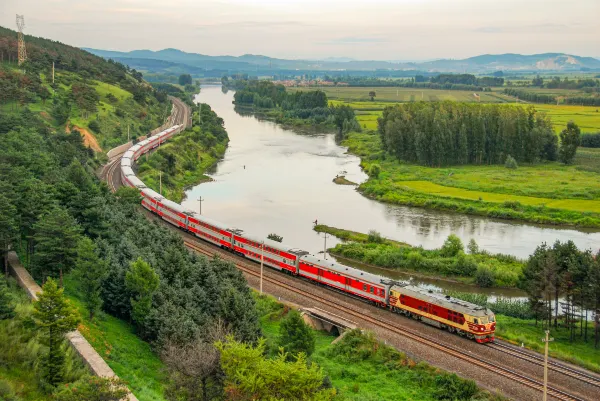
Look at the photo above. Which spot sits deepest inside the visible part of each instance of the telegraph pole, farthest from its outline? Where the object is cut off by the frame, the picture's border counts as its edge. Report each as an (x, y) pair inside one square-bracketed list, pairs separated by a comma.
[(546, 341), (160, 182), (262, 260), (200, 114), (325, 245), (200, 201), (22, 52)]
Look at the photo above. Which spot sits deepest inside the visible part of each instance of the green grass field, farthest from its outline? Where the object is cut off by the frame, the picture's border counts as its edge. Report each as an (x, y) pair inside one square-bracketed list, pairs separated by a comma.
[(543, 193)]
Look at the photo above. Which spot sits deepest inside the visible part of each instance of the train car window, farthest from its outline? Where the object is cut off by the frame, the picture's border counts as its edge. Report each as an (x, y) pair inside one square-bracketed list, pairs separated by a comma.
[(476, 321), (372, 290), (364, 287)]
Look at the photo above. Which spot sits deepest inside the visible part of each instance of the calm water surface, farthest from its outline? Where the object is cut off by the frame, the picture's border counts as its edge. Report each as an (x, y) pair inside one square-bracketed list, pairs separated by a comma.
[(274, 180)]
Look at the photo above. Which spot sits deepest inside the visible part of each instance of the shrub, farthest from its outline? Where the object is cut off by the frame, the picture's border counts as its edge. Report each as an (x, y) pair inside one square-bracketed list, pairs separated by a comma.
[(511, 163), (275, 237), (375, 170), (452, 246), (375, 237), (295, 336), (484, 277), (473, 248), (465, 265), (452, 387)]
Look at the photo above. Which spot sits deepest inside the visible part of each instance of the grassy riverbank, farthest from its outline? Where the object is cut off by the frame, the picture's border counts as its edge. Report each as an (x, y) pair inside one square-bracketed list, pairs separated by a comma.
[(549, 193), (361, 368), (184, 159), (450, 261)]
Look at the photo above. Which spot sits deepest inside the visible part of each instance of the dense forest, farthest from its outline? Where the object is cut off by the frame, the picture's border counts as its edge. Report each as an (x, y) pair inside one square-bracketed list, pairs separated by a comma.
[(450, 133), (537, 97), (439, 81)]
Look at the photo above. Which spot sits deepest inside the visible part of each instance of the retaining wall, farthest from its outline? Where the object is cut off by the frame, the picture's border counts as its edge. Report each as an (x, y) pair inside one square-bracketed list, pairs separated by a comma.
[(89, 355)]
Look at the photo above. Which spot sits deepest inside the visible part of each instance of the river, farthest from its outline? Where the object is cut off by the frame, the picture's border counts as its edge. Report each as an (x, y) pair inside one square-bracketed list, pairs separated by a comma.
[(275, 180)]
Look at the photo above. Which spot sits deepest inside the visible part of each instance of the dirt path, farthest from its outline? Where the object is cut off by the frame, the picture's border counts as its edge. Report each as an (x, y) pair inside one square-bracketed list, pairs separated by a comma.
[(89, 139)]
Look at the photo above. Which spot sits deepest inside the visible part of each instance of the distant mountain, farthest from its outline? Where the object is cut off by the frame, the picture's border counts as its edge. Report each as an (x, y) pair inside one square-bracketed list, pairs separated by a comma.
[(482, 64)]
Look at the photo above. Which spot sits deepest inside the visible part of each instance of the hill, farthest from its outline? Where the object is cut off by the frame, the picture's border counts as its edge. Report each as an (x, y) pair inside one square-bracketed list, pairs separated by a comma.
[(102, 99), (251, 63)]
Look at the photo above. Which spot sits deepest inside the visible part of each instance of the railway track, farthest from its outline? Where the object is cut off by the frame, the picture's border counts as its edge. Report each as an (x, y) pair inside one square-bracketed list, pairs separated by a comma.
[(413, 335), (552, 365)]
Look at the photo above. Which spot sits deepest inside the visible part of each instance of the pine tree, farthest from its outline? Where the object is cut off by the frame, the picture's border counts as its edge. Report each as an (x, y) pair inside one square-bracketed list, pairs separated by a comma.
[(142, 281), (7, 310), (295, 336), (56, 238), (54, 316), (9, 228), (91, 271)]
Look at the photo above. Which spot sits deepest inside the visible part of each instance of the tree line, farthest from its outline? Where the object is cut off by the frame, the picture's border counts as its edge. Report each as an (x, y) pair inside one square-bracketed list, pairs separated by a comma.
[(551, 99), (450, 133)]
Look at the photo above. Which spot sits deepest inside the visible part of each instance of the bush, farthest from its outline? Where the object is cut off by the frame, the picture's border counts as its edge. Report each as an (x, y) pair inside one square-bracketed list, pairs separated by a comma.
[(473, 248), (375, 237), (275, 237), (452, 387), (511, 163), (484, 277), (375, 170), (452, 246), (295, 336)]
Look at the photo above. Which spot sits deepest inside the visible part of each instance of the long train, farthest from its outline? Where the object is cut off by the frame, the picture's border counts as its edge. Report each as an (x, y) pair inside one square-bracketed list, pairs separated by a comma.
[(445, 312)]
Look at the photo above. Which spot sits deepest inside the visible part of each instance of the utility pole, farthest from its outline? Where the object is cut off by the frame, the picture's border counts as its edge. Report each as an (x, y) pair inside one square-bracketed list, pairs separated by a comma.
[(22, 52), (546, 341), (160, 182), (200, 114), (53, 73), (200, 201), (262, 260), (325, 245), (128, 124)]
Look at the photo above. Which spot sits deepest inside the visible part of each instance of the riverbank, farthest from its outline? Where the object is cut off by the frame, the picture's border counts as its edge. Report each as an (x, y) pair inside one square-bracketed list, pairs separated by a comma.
[(549, 193), (450, 262), (183, 160)]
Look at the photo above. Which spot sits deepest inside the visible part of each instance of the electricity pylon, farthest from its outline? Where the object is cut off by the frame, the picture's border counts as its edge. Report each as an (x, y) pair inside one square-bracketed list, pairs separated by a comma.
[(22, 50)]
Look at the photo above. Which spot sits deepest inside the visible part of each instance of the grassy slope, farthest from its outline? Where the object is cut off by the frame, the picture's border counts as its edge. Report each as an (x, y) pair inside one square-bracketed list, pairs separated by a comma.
[(193, 158), (348, 235), (131, 358), (367, 379), (546, 193), (519, 331)]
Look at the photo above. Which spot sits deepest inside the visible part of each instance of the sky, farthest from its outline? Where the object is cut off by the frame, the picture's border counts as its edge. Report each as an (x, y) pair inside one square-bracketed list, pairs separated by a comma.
[(316, 29)]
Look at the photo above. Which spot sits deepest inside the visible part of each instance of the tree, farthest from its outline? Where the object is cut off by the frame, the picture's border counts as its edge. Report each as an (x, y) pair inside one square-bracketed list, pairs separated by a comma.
[(92, 388), (570, 138), (142, 281), (511, 163), (91, 271), (275, 237), (251, 376), (195, 367), (9, 229), (54, 316), (295, 336), (56, 237), (452, 246), (185, 79), (372, 95), (7, 310)]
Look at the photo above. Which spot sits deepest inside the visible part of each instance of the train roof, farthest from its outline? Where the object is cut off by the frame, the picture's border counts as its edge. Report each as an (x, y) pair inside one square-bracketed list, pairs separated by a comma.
[(441, 299), (346, 270), (136, 182), (208, 220), (175, 206), (276, 245), (128, 154), (153, 194)]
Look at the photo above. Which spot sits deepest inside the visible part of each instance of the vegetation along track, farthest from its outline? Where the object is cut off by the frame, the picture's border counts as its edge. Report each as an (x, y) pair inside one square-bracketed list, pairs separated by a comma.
[(552, 365), (413, 335)]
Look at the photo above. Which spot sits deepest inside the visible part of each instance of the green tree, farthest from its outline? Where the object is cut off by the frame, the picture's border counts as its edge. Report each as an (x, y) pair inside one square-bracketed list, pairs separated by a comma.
[(295, 336), (570, 138), (372, 95), (54, 316), (185, 79), (452, 246), (275, 237), (511, 163), (375, 170), (93, 388), (56, 237), (142, 281), (7, 310), (251, 376), (9, 229), (91, 271)]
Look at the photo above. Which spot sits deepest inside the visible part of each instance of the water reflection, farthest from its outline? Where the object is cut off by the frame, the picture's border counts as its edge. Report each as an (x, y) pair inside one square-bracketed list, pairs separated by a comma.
[(278, 180)]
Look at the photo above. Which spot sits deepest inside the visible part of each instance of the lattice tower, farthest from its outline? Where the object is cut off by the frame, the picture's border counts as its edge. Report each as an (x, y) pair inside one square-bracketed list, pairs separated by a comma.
[(22, 50)]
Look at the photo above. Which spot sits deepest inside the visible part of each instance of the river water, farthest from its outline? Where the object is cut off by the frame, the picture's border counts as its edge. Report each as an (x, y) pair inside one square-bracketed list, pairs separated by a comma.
[(275, 180)]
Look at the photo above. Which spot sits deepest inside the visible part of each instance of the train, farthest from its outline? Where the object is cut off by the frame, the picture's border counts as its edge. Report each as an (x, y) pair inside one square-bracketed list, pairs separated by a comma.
[(445, 312)]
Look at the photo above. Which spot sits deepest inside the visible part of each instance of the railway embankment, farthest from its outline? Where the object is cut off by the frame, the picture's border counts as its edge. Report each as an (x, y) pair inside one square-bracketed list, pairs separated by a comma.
[(84, 349)]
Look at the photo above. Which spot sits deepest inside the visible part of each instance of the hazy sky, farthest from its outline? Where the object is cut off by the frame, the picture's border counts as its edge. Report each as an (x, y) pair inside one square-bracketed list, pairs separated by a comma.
[(365, 29)]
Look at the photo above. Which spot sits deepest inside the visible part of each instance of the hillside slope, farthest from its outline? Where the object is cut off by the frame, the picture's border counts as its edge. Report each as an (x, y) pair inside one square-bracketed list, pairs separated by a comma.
[(100, 98)]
